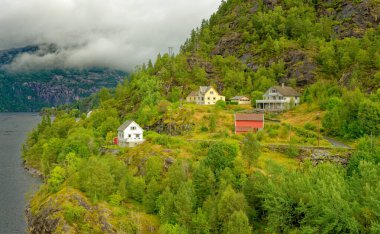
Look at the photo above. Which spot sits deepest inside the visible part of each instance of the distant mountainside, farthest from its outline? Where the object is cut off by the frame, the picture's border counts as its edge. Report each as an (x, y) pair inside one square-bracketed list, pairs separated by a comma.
[(30, 90)]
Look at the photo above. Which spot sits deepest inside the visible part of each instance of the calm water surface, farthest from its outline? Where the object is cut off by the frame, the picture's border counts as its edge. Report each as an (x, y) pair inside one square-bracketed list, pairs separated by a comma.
[(15, 183)]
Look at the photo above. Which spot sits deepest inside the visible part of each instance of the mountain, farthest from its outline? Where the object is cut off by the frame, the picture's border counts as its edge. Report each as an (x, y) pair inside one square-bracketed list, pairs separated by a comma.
[(193, 174), (32, 89), (249, 46)]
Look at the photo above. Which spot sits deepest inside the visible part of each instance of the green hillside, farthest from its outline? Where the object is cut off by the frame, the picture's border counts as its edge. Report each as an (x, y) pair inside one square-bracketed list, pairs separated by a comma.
[(193, 174)]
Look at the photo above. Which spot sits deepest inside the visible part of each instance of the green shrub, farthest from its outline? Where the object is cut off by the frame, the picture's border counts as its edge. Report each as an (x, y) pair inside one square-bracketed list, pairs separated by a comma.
[(115, 199), (127, 226), (292, 150), (272, 133), (310, 126), (284, 131), (260, 135), (74, 214), (221, 104), (204, 129), (166, 140), (57, 177)]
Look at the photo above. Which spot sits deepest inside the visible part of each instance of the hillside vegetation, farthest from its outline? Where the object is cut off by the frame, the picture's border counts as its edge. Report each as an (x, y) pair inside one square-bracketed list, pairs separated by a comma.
[(193, 174)]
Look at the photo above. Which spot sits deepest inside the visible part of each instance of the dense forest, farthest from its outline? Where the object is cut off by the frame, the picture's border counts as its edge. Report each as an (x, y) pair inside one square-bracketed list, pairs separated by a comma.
[(330, 51)]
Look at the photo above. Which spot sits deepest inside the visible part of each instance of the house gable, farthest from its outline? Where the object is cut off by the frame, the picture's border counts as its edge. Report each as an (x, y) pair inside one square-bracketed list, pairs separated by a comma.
[(284, 91), (272, 92), (128, 129), (133, 127), (211, 91)]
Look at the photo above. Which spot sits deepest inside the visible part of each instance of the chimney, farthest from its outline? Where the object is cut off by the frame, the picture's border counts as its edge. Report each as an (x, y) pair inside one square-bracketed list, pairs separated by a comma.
[(283, 85)]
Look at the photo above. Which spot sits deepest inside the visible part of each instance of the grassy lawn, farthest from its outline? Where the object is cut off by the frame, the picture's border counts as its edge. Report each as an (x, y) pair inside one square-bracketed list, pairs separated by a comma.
[(194, 143), (269, 157)]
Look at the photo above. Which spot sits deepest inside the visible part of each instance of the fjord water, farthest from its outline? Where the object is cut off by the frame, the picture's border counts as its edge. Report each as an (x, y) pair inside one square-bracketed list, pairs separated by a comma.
[(15, 183)]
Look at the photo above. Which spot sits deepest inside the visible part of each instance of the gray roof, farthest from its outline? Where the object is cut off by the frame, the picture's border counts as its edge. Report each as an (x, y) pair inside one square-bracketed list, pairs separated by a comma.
[(125, 125), (204, 89), (238, 97), (201, 92), (193, 94), (286, 91)]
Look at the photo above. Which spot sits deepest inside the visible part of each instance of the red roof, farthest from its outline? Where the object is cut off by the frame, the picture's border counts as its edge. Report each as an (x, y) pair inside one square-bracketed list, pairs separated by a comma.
[(254, 117)]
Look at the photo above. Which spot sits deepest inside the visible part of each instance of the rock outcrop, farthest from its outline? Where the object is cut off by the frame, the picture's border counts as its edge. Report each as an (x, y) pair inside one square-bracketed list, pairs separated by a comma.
[(50, 215)]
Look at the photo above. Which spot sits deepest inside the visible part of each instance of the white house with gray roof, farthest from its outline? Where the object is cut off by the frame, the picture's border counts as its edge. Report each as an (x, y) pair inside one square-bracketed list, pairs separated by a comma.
[(278, 98), (130, 134), (206, 95)]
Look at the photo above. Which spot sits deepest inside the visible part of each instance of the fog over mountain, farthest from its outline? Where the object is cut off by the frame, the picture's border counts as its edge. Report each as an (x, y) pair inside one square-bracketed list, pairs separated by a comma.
[(116, 33)]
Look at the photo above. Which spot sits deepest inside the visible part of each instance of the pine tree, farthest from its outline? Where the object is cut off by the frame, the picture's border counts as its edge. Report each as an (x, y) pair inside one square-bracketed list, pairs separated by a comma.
[(203, 181), (165, 205), (200, 222), (251, 148), (184, 203), (238, 224), (151, 196)]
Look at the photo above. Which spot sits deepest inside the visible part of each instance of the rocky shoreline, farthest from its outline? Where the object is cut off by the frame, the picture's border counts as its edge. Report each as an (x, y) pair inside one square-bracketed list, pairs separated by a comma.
[(33, 172)]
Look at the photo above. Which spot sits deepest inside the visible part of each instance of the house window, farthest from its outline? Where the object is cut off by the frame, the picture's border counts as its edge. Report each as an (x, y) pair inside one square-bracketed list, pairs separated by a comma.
[(137, 135), (133, 128), (274, 91), (221, 98), (214, 98), (208, 98), (212, 92), (129, 135), (203, 99)]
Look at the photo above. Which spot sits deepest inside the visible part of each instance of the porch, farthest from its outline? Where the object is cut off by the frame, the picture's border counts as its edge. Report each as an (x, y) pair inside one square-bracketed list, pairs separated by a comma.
[(271, 105)]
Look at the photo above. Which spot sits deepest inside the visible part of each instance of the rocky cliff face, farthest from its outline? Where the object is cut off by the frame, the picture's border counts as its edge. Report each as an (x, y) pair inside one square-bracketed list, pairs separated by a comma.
[(239, 30), (57, 213), (30, 90)]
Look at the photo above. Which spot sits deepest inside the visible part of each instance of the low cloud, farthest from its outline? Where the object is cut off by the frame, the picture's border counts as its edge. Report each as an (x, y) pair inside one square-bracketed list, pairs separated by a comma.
[(117, 33)]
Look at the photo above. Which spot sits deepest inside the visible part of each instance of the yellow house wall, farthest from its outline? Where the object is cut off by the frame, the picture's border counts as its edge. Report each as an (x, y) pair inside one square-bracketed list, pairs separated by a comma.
[(244, 102), (191, 99), (210, 95)]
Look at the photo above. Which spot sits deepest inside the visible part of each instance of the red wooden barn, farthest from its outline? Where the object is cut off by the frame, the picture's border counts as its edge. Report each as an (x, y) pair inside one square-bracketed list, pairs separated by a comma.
[(248, 122)]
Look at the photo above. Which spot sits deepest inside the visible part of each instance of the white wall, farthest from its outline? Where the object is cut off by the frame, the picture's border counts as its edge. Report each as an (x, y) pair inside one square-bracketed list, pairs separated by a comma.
[(134, 133)]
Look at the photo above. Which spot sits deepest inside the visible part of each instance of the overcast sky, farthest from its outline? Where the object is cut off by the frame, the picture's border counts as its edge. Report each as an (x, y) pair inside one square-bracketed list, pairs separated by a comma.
[(113, 33)]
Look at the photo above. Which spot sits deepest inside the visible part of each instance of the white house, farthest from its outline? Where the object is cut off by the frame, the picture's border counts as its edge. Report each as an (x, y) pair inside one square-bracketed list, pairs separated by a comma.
[(206, 95), (130, 134), (278, 98)]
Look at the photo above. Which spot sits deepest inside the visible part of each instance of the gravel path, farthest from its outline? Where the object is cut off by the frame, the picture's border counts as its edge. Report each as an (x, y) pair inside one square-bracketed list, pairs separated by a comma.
[(337, 144)]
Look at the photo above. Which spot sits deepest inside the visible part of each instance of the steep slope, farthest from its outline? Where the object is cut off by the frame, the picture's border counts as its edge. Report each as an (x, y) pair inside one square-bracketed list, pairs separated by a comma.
[(251, 45), (30, 90)]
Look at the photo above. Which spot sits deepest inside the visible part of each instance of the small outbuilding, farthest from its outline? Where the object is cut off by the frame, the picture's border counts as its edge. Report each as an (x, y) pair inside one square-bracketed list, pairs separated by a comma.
[(241, 100), (251, 122), (130, 134)]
